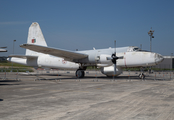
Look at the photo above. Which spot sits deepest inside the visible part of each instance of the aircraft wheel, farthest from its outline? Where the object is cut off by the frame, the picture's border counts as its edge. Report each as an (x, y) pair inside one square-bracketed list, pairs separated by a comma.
[(80, 73)]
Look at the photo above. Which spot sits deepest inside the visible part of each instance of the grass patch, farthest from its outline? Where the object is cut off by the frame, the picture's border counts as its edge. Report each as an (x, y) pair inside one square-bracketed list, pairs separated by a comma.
[(7, 66), (92, 68), (16, 70), (6, 63)]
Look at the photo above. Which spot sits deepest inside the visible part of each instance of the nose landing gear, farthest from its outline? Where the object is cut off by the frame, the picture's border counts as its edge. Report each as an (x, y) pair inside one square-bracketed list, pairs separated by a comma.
[(142, 76)]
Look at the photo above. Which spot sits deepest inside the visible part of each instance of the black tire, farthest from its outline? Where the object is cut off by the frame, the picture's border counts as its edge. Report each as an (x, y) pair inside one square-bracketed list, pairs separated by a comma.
[(80, 73)]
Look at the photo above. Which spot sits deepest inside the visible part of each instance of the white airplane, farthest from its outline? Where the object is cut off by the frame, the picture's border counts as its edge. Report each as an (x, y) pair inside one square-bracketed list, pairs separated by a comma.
[(38, 54), (3, 50)]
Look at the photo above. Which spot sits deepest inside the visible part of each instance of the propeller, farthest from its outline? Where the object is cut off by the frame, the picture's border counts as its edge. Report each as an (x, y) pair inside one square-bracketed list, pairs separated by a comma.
[(114, 58)]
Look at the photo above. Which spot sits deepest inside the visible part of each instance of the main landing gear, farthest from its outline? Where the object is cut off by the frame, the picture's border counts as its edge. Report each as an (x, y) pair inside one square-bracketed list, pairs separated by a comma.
[(80, 73)]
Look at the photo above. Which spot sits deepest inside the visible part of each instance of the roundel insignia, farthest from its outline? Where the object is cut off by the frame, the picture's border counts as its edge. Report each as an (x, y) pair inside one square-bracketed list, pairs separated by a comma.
[(64, 62)]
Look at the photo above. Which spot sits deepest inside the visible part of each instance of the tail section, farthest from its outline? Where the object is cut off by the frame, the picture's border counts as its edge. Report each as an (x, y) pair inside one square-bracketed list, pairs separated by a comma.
[(36, 37)]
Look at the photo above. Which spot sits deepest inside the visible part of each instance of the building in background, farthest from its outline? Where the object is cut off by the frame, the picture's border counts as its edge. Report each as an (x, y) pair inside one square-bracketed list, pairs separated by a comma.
[(167, 63)]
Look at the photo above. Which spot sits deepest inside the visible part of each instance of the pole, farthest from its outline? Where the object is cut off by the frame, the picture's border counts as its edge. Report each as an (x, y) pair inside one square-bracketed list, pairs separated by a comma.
[(13, 52), (141, 46), (150, 43), (150, 33)]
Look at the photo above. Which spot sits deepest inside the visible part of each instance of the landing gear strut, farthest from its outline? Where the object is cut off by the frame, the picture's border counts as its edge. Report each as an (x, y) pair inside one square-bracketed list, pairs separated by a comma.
[(80, 73), (141, 75)]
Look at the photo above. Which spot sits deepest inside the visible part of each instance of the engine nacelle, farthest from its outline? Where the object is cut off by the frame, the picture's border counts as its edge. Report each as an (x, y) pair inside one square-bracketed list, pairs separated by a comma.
[(109, 71), (104, 60)]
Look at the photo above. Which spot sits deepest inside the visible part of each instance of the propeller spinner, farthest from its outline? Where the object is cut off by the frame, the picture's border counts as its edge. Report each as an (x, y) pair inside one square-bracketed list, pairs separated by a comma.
[(114, 58)]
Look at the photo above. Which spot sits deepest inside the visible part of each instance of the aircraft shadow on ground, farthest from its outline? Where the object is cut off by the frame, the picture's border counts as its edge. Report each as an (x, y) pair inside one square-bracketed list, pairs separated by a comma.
[(70, 77), (8, 82)]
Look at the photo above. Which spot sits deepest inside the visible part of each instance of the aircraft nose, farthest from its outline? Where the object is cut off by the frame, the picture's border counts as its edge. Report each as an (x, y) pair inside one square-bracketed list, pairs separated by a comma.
[(158, 58)]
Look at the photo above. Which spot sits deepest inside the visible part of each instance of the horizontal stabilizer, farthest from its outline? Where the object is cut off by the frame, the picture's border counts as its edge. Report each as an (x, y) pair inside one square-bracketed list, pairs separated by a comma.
[(68, 55), (23, 56)]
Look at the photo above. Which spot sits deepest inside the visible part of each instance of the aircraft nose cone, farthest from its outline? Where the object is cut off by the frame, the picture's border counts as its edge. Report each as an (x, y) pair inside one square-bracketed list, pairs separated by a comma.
[(158, 58)]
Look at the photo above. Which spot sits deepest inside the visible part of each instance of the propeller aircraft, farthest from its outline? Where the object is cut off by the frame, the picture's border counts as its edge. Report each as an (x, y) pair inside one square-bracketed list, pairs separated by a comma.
[(110, 60)]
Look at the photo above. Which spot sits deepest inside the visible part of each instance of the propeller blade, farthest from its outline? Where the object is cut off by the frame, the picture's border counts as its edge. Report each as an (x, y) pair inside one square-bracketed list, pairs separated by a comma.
[(115, 59), (121, 57), (115, 69)]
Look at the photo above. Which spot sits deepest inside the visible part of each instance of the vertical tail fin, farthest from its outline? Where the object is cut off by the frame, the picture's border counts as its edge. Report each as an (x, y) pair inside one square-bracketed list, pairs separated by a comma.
[(36, 37)]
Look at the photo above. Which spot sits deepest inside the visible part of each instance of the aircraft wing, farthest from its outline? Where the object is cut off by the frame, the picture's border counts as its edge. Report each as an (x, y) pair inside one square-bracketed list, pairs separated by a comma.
[(67, 55), (23, 56)]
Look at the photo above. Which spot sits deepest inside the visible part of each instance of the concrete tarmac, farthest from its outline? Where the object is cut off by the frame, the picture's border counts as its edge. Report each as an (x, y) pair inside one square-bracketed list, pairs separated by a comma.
[(92, 98)]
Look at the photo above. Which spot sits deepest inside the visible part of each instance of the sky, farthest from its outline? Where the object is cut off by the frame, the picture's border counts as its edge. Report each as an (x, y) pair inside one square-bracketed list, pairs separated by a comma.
[(84, 24)]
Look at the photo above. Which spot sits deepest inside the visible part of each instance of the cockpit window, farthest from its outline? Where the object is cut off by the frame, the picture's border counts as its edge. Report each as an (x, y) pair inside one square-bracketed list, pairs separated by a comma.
[(136, 49)]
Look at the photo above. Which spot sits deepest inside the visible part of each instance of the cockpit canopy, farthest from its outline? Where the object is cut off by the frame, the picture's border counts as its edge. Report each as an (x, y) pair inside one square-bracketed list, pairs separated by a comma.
[(135, 49)]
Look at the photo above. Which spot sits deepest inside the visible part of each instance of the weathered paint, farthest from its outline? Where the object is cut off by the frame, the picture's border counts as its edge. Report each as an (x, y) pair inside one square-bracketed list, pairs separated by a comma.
[(55, 62), (141, 59)]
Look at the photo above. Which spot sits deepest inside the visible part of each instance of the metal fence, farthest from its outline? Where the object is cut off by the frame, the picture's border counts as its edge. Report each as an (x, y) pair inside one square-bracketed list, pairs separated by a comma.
[(94, 75)]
